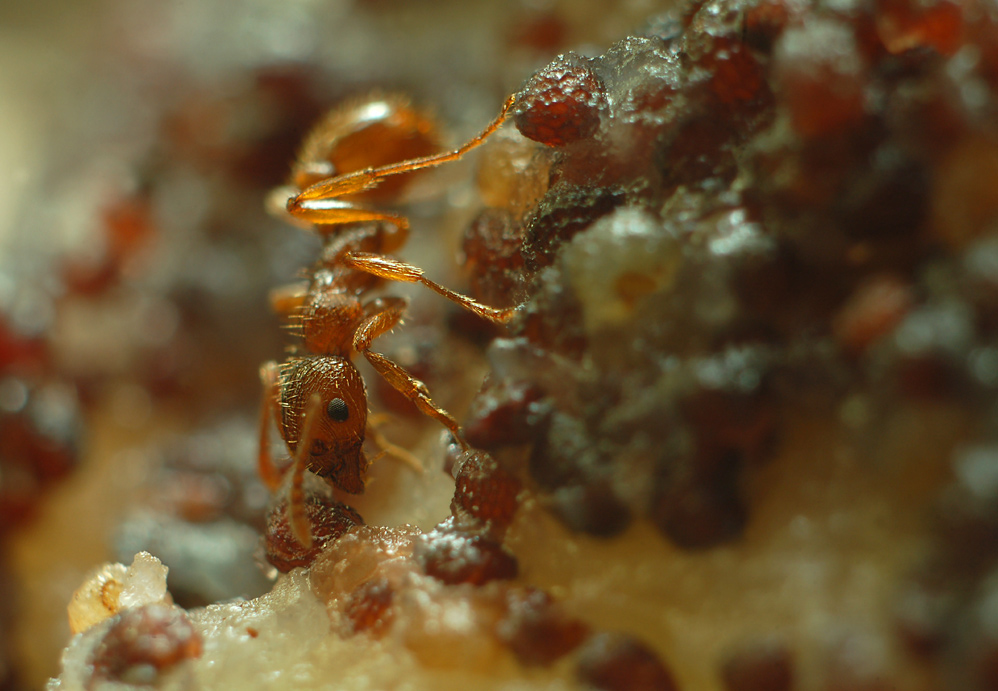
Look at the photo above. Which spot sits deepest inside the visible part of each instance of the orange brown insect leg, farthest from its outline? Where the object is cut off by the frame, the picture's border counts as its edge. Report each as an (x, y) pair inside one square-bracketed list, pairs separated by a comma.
[(296, 494), (393, 450), (329, 213), (393, 269), (378, 323)]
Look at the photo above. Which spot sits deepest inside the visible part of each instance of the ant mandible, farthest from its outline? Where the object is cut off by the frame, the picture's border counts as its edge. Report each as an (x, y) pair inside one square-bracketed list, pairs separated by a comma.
[(316, 396)]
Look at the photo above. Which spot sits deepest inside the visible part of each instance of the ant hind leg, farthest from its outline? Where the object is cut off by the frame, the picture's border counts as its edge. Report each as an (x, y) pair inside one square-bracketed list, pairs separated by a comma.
[(393, 450)]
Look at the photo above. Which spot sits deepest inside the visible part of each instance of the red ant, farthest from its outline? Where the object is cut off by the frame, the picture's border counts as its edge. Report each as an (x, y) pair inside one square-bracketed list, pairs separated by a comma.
[(316, 396)]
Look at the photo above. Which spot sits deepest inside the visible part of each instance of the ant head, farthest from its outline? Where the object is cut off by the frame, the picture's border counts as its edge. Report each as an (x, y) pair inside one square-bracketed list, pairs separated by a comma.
[(337, 437)]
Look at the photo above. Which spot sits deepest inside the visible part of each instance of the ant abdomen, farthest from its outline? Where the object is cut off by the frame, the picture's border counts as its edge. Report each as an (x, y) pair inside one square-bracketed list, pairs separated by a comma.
[(367, 132)]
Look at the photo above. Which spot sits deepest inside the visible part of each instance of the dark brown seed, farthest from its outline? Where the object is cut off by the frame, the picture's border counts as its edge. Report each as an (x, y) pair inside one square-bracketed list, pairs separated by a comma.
[(368, 608), (454, 557), (493, 258), (485, 490), (143, 642), (706, 509), (617, 662), (759, 666), (562, 103), (566, 210), (500, 415), (537, 630), (328, 519), (593, 509)]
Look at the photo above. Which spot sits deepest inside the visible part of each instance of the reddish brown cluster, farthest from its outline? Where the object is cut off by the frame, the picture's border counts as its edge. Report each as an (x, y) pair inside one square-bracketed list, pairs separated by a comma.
[(327, 518), (143, 643), (814, 186), (561, 104), (564, 212)]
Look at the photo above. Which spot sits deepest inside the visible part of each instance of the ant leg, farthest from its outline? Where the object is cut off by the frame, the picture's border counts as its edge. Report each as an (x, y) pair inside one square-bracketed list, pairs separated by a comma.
[(297, 519), (361, 180), (378, 323), (270, 377), (393, 269), (327, 213), (393, 450)]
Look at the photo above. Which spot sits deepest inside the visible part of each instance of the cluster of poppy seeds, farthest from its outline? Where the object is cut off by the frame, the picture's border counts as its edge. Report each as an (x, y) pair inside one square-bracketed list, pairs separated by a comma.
[(762, 208), (747, 230)]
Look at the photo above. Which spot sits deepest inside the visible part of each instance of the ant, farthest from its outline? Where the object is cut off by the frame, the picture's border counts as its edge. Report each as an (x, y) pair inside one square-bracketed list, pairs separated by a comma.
[(316, 396)]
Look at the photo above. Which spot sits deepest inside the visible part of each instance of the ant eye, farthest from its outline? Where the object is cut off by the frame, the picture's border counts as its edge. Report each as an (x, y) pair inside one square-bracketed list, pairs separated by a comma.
[(337, 410)]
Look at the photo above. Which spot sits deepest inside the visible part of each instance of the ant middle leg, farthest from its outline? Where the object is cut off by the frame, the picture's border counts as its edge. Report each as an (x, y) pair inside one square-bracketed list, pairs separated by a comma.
[(390, 449), (328, 213), (392, 269), (384, 320)]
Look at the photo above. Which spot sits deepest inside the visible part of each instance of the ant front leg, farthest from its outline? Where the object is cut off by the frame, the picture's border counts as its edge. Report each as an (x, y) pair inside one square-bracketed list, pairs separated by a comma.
[(381, 321), (270, 473), (393, 269), (297, 519)]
